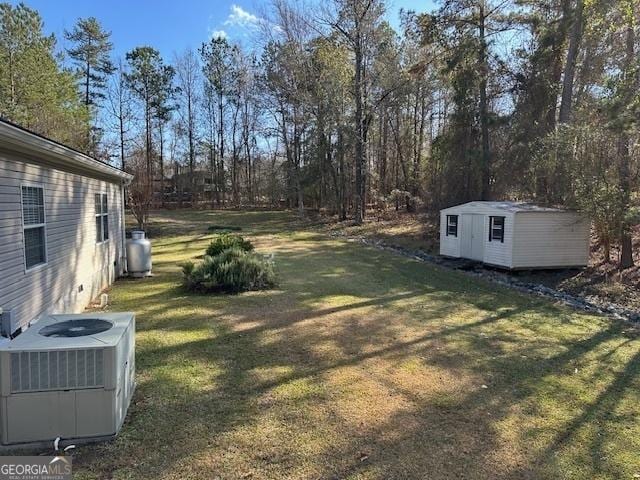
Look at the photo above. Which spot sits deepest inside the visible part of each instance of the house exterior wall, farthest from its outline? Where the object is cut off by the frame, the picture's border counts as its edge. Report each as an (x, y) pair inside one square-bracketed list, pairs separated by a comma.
[(551, 240), (77, 268)]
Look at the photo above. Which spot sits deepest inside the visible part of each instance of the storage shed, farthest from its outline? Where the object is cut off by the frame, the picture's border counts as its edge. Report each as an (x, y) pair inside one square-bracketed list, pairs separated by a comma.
[(515, 235), (61, 227)]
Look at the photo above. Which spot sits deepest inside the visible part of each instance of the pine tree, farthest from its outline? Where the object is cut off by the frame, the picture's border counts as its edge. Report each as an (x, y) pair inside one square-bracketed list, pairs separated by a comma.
[(91, 53), (35, 91)]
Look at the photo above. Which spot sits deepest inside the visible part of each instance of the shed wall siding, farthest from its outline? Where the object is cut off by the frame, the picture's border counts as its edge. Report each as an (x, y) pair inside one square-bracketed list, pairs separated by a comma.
[(449, 245), (496, 253), (77, 268), (551, 240)]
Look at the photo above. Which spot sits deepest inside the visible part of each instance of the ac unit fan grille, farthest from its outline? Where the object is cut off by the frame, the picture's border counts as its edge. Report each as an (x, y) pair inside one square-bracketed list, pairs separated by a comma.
[(57, 370)]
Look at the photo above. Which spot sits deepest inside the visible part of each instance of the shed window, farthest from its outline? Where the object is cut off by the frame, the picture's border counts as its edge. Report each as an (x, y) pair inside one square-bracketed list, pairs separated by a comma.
[(33, 221), (496, 229), (452, 225), (102, 218)]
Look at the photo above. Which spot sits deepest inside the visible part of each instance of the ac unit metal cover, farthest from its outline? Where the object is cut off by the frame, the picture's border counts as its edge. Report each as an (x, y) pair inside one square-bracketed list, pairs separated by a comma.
[(68, 375)]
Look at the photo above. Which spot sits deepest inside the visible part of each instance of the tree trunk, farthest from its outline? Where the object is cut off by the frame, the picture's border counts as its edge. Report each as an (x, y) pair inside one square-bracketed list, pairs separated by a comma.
[(121, 127), (626, 244), (342, 176), (161, 131), (87, 76), (220, 188), (484, 114), (570, 65), (192, 154), (359, 118), (148, 143)]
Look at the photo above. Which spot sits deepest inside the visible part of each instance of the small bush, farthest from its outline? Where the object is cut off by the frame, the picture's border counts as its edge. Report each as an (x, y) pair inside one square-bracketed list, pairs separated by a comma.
[(232, 270), (226, 241)]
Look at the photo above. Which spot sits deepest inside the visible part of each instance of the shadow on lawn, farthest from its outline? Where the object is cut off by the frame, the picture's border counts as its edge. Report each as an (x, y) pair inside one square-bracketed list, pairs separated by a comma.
[(400, 313)]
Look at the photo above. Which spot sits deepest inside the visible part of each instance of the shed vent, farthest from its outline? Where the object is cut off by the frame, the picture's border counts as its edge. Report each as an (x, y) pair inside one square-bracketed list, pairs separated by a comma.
[(57, 370)]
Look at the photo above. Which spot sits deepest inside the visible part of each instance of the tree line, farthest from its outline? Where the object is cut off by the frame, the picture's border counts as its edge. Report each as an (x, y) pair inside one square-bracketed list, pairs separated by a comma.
[(336, 110)]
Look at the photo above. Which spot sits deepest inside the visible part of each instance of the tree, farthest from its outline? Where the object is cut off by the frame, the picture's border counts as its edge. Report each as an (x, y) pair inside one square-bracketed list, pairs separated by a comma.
[(120, 110), (147, 78), (568, 77), (357, 21), (624, 118), (188, 78), (217, 57), (35, 91), (140, 190), (91, 53), (163, 107)]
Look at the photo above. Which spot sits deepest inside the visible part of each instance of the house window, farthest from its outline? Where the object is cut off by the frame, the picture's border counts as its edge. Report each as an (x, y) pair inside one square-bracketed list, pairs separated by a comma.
[(102, 218), (452, 225), (496, 229), (33, 221)]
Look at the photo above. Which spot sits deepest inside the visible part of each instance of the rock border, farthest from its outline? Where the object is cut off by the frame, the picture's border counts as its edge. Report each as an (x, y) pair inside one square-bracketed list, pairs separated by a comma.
[(477, 270)]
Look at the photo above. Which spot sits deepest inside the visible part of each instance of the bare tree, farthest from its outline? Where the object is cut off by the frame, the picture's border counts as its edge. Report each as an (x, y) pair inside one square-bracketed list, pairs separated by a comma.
[(120, 110), (189, 82)]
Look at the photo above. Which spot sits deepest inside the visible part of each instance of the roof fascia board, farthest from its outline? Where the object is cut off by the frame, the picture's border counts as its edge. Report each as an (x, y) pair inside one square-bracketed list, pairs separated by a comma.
[(14, 138)]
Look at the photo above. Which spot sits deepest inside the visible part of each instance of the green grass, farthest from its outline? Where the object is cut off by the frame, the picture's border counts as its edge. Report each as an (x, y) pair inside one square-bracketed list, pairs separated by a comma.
[(361, 364)]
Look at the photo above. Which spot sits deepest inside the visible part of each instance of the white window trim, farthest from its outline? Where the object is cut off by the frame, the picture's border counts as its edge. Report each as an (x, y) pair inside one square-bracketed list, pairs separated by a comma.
[(96, 215), (449, 217), (25, 227), (501, 228)]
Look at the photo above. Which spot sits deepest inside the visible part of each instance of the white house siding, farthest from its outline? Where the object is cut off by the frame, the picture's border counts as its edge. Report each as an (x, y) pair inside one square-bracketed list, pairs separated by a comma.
[(77, 268), (551, 240), (449, 245)]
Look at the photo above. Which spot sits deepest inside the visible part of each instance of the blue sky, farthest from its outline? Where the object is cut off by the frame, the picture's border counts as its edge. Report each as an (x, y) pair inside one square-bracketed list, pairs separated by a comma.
[(171, 26)]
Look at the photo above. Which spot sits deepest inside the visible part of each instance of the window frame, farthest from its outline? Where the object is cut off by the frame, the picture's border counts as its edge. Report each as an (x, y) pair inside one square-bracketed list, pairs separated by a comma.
[(492, 219), (455, 234), (43, 264), (104, 196)]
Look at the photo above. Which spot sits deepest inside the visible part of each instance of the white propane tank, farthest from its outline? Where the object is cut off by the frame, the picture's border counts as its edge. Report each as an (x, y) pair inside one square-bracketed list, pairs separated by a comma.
[(138, 255)]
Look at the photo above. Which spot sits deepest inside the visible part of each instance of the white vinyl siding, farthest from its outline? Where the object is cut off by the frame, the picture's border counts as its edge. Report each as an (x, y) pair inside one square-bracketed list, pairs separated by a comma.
[(551, 240), (449, 245), (498, 252), (530, 239), (77, 269), (495, 252)]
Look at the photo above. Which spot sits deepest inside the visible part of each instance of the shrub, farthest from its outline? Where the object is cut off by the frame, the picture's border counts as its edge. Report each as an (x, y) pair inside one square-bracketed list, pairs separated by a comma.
[(232, 270), (226, 241)]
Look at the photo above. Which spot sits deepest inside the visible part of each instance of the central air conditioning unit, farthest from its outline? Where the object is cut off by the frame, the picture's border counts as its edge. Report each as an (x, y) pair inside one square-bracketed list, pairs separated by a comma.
[(68, 376)]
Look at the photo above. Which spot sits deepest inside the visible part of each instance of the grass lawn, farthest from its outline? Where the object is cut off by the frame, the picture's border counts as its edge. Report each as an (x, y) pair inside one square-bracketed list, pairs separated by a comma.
[(362, 364)]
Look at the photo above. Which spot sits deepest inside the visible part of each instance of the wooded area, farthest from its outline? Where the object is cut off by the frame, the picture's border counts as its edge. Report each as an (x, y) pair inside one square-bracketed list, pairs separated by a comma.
[(334, 110)]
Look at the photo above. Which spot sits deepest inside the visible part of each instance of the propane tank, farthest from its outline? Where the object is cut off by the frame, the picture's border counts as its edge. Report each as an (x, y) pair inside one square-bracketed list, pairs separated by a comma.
[(138, 255)]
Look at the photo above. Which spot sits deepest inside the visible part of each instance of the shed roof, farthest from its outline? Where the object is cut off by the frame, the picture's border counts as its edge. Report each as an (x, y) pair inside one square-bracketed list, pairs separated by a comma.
[(509, 206), (15, 137)]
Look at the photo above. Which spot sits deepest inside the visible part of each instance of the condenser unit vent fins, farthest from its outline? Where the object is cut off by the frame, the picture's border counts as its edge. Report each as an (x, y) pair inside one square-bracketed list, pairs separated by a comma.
[(57, 370)]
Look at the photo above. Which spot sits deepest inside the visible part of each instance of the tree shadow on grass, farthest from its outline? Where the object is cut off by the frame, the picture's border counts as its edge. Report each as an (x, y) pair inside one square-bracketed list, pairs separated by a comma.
[(350, 331)]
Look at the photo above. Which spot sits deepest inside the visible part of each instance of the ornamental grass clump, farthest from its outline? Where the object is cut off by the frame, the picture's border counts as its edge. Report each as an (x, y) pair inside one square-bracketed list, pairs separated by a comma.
[(234, 269), (226, 241)]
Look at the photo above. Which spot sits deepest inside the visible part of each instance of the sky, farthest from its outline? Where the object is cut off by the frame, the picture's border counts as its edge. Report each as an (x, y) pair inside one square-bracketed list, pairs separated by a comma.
[(172, 26)]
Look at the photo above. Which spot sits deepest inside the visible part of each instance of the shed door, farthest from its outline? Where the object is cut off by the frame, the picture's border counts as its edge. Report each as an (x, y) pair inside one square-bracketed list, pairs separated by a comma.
[(473, 236)]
